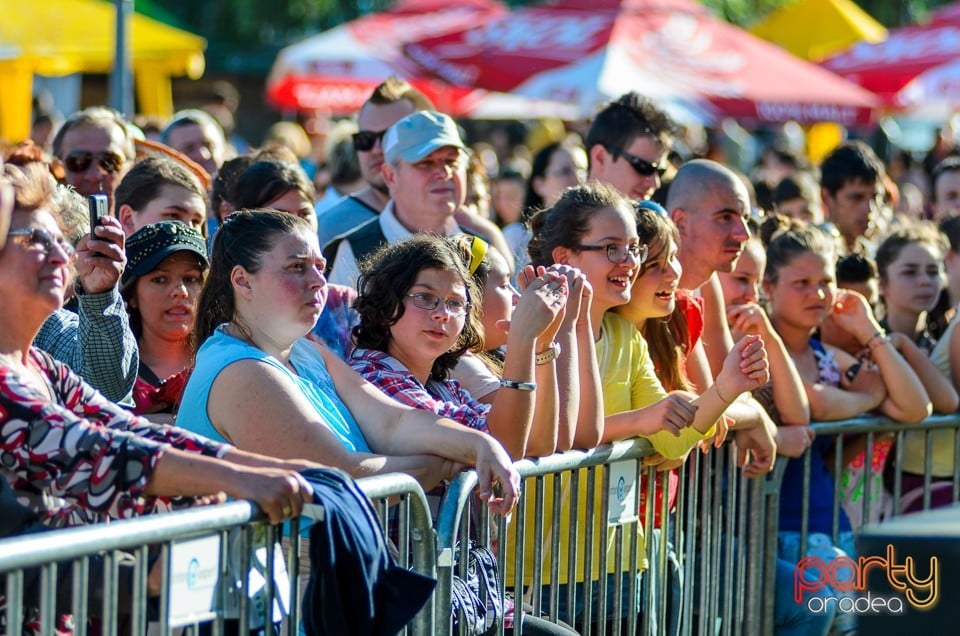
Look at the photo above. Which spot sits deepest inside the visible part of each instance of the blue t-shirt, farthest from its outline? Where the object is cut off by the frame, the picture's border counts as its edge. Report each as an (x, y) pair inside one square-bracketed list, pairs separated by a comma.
[(312, 378)]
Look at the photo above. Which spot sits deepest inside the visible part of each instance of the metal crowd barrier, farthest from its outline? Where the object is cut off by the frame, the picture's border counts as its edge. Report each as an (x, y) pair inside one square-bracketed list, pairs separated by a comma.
[(722, 531), (717, 531), (61, 571), (874, 427)]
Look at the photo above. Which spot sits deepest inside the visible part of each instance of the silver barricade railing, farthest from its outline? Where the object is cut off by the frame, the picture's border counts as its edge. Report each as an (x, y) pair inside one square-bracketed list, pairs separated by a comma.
[(718, 538), (575, 519), (73, 549), (716, 532), (194, 549), (874, 429)]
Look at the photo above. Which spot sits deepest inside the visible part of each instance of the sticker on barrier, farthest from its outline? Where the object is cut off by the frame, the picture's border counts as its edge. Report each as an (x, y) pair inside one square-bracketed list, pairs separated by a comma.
[(623, 494), (194, 571)]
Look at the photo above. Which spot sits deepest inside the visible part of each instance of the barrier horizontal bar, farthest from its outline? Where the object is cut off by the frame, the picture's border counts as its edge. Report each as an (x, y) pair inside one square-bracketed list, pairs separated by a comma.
[(71, 543), (880, 424), (461, 486)]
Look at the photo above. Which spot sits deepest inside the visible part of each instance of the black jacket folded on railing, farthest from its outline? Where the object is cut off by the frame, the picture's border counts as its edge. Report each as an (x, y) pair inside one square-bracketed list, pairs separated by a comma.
[(355, 586)]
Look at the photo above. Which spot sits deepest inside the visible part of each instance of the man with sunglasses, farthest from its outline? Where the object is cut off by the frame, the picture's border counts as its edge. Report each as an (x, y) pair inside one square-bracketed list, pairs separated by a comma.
[(425, 169), (96, 148), (390, 102), (627, 145)]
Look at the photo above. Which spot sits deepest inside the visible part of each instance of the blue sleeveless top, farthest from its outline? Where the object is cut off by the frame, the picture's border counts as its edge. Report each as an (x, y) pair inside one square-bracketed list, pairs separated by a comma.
[(312, 378)]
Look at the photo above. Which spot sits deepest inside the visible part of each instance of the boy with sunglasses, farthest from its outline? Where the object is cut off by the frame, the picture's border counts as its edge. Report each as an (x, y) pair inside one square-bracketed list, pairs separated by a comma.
[(96, 149), (627, 145)]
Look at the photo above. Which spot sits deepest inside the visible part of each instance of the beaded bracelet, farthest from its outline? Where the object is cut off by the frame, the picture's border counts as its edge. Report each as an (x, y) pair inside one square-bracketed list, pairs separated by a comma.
[(519, 386)]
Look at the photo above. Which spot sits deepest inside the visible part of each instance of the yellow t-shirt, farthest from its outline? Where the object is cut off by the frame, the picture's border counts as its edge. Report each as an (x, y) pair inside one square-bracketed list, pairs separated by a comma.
[(629, 382)]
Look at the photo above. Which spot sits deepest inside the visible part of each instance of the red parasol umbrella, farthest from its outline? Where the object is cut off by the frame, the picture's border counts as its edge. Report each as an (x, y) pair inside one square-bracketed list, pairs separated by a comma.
[(915, 64), (335, 71), (588, 51)]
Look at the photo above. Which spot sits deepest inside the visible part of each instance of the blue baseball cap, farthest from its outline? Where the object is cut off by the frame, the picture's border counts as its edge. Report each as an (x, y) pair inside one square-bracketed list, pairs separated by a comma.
[(418, 134)]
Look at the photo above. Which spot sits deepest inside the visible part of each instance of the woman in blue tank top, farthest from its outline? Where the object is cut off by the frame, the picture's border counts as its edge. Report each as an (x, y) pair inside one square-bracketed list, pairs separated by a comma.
[(259, 384)]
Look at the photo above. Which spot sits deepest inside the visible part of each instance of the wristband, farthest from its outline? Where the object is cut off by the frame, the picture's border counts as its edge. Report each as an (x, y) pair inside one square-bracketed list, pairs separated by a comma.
[(877, 339), (549, 354), (519, 386), (716, 387)]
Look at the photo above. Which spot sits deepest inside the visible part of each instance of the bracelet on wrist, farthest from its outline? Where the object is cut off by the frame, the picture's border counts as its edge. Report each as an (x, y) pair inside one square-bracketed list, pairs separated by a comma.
[(549, 354), (519, 386)]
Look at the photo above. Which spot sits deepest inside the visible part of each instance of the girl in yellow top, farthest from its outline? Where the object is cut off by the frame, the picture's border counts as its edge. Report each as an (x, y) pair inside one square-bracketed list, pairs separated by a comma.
[(594, 229)]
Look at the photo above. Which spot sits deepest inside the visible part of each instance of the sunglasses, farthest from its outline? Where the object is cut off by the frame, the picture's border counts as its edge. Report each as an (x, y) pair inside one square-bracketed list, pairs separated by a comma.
[(39, 237), (80, 160), (641, 166), (365, 140)]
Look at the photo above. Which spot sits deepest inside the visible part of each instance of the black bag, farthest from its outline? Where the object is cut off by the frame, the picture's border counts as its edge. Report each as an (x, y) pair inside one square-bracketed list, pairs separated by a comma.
[(477, 606)]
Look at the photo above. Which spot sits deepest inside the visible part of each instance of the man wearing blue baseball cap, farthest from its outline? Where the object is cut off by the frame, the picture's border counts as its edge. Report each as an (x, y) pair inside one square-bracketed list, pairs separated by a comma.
[(425, 171)]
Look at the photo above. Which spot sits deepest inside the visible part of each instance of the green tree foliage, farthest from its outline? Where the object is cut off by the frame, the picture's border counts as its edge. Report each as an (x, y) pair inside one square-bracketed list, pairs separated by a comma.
[(890, 13)]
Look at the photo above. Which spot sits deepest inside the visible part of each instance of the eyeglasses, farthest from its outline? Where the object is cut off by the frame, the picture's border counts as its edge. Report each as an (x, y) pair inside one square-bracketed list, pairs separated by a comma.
[(365, 140), (80, 160), (454, 306), (38, 237), (641, 166), (617, 254)]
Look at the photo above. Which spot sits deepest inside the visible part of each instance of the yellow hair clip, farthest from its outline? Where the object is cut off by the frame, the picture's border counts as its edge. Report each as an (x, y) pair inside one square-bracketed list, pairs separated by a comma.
[(478, 249)]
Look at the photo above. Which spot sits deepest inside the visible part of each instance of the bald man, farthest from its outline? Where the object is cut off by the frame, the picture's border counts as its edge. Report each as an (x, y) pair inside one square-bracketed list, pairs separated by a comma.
[(710, 207)]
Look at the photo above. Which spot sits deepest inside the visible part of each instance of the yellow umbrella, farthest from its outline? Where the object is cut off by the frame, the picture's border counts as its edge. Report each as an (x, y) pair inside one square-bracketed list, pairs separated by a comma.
[(59, 37), (816, 29)]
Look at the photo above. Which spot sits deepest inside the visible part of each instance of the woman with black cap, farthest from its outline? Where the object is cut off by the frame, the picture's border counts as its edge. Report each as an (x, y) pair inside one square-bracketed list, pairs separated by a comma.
[(166, 265)]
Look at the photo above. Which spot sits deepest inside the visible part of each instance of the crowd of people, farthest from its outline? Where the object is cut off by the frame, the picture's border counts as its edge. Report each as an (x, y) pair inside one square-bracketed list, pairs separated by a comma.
[(432, 307)]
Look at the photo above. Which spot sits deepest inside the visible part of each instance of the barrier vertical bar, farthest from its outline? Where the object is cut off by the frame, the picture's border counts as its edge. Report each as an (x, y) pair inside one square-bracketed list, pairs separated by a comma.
[(729, 540), (868, 477), (689, 564), (555, 549), (48, 597), (574, 530), (634, 552), (898, 474), (805, 501), (927, 466), (648, 599), (837, 470), (164, 561), (663, 589), (138, 602), (742, 533), (80, 594), (716, 519), (705, 528), (588, 555), (601, 544), (538, 538)]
